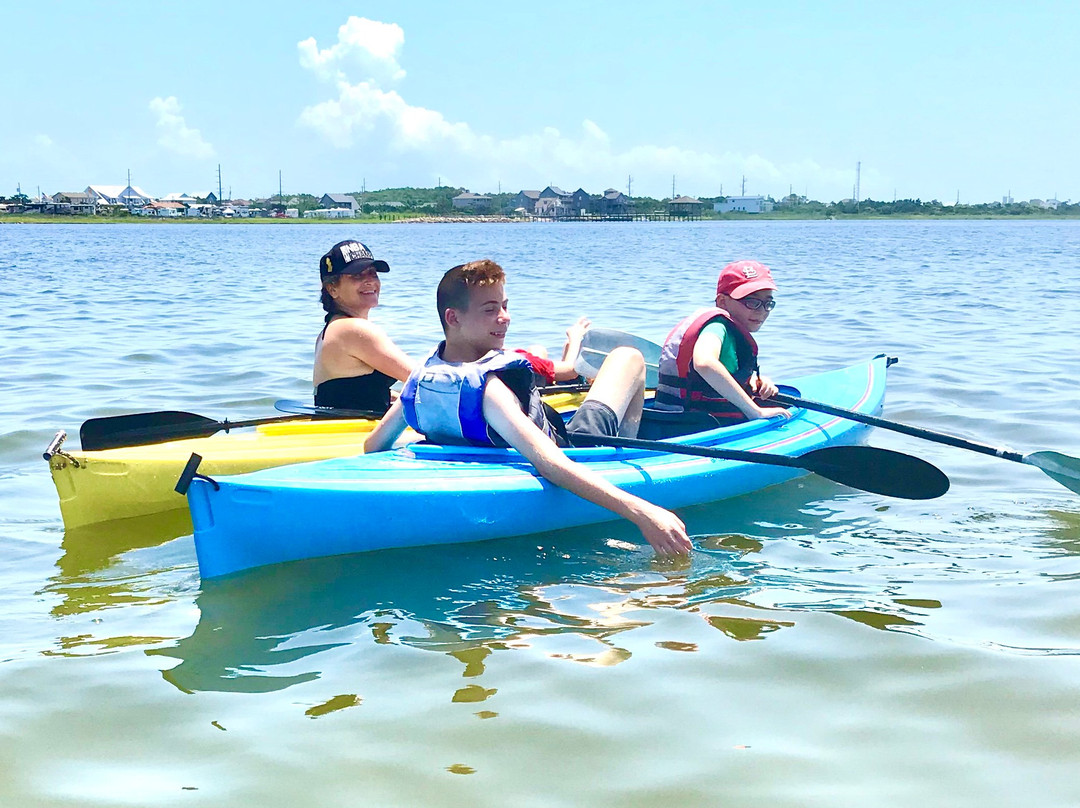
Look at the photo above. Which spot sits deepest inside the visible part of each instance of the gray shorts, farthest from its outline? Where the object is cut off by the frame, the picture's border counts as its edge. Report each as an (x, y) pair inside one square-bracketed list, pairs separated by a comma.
[(594, 418)]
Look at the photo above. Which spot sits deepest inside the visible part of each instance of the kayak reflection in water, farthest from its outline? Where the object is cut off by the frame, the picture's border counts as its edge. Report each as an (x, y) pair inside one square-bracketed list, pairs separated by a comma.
[(470, 391), (708, 364), (356, 363)]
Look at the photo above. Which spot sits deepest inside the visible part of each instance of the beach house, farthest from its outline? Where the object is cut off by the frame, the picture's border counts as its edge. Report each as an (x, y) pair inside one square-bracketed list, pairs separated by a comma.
[(524, 201), (340, 201), (743, 204), (554, 201), (471, 201)]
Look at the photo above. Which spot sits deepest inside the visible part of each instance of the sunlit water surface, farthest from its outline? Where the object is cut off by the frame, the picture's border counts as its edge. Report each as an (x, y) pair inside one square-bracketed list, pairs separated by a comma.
[(824, 647)]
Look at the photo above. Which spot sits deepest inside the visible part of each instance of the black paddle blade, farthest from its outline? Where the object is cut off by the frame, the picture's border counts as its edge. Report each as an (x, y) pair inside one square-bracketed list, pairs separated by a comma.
[(140, 428), (880, 471)]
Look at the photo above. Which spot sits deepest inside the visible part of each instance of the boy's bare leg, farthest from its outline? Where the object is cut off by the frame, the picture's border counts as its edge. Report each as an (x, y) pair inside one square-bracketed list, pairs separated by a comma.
[(620, 385)]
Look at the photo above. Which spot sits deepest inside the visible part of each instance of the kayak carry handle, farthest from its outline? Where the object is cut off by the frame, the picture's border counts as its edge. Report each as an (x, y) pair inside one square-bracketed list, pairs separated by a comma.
[(190, 472), (55, 449), (54, 445)]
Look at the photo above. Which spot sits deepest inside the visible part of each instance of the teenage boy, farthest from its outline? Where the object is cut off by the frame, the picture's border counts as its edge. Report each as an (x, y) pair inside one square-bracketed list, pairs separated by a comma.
[(708, 364), (471, 391)]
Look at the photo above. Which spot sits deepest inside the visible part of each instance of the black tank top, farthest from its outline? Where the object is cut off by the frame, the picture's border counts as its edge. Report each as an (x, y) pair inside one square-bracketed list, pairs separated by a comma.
[(368, 392), (371, 391)]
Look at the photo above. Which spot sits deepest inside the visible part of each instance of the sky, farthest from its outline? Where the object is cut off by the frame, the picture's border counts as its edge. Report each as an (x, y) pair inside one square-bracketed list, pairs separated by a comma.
[(933, 100)]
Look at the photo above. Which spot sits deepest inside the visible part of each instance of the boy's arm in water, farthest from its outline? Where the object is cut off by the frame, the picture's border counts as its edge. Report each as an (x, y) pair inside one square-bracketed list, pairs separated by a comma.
[(661, 528)]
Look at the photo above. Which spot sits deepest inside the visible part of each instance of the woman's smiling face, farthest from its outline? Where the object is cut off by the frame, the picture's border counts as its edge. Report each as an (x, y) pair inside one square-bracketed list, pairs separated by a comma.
[(357, 292)]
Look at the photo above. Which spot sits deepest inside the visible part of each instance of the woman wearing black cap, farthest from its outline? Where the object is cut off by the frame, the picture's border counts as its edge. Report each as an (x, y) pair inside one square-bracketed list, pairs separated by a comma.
[(355, 362)]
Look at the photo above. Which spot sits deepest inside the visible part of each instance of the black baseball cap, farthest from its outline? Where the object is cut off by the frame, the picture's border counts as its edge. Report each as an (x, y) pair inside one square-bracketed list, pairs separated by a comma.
[(348, 258)]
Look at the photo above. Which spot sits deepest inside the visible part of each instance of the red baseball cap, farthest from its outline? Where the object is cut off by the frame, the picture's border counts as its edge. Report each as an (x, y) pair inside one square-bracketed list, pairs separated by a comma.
[(741, 278)]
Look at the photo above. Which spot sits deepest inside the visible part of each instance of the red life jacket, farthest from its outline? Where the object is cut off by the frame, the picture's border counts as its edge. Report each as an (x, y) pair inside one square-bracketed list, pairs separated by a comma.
[(681, 388)]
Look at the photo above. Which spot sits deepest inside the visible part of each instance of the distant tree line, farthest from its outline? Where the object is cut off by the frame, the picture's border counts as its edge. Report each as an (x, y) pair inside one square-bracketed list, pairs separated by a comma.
[(437, 202), (802, 207)]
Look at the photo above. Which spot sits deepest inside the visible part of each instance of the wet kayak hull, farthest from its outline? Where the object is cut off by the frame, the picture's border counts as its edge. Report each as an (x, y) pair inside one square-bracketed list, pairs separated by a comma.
[(422, 495)]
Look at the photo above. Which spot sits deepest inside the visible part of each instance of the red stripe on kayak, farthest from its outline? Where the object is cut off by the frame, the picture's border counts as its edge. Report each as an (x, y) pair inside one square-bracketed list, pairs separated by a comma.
[(795, 438)]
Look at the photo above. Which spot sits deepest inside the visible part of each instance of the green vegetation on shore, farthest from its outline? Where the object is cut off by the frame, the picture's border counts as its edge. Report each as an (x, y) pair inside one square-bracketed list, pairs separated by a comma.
[(49, 218), (404, 204)]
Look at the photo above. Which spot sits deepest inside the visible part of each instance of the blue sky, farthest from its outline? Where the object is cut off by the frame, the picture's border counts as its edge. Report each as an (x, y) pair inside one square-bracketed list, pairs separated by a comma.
[(933, 98)]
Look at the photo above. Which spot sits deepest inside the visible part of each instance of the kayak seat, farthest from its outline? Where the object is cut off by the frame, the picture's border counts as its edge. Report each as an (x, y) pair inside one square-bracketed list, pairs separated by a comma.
[(660, 424)]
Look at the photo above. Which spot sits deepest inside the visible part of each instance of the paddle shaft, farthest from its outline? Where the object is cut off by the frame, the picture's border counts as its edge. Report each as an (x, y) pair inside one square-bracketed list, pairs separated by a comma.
[(300, 408), (677, 448), (574, 387), (154, 434), (905, 429)]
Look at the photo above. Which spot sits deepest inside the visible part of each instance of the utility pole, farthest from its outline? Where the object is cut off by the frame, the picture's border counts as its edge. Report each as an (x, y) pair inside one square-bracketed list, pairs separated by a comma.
[(280, 195), (744, 185), (219, 182), (629, 182), (858, 171), (672, 186)]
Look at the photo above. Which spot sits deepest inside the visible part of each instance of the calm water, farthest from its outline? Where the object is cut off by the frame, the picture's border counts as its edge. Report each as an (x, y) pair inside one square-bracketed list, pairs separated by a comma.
[(823, 648)]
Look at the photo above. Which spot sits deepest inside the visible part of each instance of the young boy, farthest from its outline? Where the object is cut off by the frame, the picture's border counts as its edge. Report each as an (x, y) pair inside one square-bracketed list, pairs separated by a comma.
[(708, 365), (471, 391)]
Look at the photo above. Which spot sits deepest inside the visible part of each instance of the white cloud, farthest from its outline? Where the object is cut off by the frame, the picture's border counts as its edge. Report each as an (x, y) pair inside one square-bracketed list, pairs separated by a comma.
[(44, 141), (174, 133), (362, 43), (364, 107), (364, 111)]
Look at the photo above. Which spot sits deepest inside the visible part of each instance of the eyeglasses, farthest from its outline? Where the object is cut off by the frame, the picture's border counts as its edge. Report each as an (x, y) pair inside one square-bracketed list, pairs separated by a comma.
[(757, 304)]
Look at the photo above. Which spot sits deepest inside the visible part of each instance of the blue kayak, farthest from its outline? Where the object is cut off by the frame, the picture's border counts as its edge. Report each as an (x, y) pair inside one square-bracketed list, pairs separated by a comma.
[(424, 494)]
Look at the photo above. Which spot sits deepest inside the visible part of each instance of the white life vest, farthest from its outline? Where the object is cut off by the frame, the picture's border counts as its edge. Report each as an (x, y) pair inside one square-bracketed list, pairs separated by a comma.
[(444, 401)]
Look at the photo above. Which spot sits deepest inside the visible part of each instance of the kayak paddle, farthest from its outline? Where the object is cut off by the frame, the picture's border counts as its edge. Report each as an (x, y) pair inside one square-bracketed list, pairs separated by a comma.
[(302, 408), (1060, 467), (867, 468), (142, 428)]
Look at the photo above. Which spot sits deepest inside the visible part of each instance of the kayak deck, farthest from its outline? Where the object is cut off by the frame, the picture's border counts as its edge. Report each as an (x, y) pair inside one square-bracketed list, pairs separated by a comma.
[(109, 484), (100, 486), (426, 494)]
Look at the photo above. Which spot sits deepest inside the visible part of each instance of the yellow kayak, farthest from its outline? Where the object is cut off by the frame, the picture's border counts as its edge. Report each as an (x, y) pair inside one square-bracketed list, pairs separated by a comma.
[(99, 486)]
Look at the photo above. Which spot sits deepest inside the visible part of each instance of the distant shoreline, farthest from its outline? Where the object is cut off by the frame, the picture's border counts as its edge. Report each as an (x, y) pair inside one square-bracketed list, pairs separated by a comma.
[(39, 218)]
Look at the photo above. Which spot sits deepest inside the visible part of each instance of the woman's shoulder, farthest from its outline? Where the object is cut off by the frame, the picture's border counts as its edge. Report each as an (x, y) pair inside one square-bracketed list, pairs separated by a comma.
[(353, 328)]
